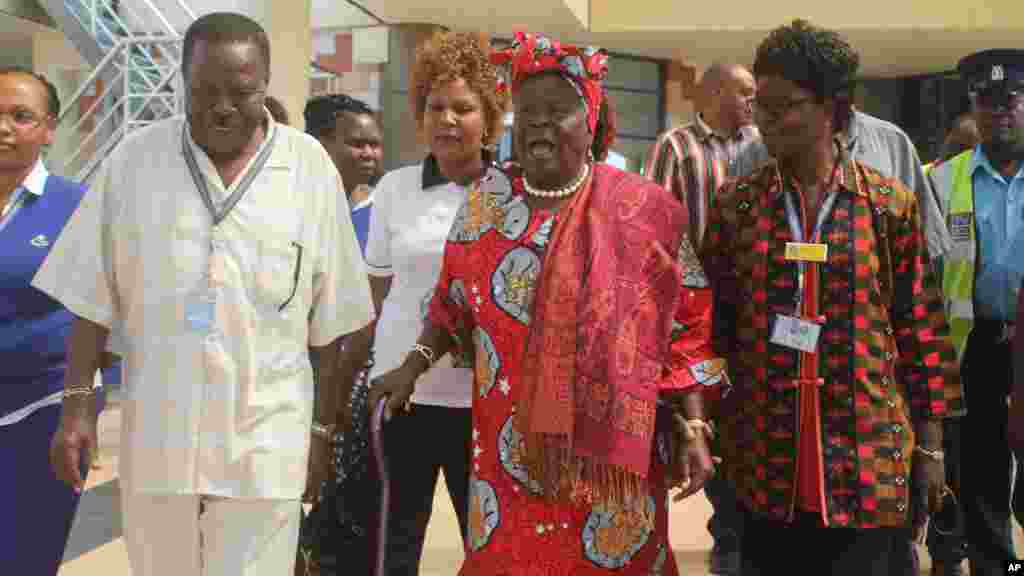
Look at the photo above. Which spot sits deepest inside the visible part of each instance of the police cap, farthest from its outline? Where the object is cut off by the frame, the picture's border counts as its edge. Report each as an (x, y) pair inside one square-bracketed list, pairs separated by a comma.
[(993, 69)]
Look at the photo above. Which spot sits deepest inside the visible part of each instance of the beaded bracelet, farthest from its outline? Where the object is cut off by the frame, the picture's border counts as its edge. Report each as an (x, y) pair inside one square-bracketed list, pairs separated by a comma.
[(424, 351)]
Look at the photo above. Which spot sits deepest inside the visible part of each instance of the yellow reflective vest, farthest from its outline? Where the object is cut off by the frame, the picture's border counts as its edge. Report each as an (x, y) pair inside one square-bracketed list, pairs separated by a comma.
[(955, 191)]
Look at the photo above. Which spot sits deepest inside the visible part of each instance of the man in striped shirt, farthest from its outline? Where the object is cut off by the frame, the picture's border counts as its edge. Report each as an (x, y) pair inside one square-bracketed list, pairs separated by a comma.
[(692, 162), (695, 159)]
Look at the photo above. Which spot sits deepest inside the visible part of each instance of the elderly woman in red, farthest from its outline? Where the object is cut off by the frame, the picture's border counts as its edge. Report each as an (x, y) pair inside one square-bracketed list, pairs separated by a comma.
[(559, 272)]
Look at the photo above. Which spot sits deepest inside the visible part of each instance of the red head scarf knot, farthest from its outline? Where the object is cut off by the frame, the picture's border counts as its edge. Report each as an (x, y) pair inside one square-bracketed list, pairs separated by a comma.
[(584, 67)]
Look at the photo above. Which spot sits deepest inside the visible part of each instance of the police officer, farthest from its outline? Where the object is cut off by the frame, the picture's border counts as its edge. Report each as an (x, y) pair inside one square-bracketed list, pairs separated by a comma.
[(981, 192)]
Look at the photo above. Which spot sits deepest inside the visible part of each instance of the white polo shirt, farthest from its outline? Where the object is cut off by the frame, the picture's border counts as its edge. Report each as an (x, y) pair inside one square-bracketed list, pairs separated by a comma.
[(413, 210), (225, 412)]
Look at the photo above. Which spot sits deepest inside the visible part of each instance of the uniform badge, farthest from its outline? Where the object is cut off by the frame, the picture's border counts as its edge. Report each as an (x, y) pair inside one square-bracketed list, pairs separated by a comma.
[(40, 241), (960, 226), (998, 73)]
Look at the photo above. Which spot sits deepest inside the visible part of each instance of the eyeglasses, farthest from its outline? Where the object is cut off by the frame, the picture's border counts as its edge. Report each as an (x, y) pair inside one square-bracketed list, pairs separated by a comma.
[(775, 111), (22, 119)]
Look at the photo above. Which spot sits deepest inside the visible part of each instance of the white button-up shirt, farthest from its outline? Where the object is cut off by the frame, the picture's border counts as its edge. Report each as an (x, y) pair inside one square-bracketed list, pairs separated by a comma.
[(224, 412), (413, 210)]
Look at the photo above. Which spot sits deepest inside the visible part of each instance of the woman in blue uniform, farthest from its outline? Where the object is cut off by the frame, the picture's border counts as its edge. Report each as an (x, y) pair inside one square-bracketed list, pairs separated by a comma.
[(34, 205)]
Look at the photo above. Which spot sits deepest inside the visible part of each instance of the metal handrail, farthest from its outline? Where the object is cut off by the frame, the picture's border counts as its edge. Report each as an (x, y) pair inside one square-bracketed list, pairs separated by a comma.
[(92, 108), (135, 69), (121, 103), (90, 136), (99, 69), (127, 103)]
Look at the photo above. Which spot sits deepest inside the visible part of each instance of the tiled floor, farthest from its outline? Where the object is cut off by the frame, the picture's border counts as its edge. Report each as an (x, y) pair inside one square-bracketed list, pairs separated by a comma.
[(96, 547)]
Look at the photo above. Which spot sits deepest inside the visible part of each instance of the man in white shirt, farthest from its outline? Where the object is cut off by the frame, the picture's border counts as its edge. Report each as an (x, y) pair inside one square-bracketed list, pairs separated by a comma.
[(219, 252)]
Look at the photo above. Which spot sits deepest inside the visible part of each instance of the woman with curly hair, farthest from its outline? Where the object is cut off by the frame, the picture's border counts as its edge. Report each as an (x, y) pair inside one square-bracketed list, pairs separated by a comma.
[(832, 324), (590, 318), (458, 110)]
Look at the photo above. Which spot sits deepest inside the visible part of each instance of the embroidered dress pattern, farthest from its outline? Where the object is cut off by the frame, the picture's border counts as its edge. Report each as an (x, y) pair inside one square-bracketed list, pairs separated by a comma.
[(486, 285)]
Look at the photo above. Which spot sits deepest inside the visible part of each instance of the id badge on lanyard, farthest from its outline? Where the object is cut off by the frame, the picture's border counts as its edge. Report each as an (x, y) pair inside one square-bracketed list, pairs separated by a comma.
[(201, 303), (795, 331), (200, 309)]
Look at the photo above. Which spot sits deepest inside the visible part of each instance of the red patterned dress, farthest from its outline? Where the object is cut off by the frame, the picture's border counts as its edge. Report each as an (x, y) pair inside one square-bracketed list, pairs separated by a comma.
[(492, 260)]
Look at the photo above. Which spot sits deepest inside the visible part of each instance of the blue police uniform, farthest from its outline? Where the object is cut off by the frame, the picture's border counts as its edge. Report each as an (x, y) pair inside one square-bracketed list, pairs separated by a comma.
[(995, 80)]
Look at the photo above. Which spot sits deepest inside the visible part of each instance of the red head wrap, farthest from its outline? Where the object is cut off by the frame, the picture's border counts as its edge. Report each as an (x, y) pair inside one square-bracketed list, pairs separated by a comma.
[(584, 67)]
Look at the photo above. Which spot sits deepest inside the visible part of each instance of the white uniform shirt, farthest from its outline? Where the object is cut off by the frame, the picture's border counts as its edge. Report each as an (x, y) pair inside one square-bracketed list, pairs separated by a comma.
[(413, 210), (225, 413)]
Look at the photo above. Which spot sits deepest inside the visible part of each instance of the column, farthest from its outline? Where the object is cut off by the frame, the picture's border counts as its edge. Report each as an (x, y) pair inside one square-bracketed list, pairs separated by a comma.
[(402, 143), (291, 47)]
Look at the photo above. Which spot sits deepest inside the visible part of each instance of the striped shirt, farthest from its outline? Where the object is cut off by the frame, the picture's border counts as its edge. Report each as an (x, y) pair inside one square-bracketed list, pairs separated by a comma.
[(693, 162)]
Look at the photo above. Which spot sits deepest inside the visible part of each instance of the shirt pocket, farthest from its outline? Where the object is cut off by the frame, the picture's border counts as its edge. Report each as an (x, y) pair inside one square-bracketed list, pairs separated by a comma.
[(277, 271)]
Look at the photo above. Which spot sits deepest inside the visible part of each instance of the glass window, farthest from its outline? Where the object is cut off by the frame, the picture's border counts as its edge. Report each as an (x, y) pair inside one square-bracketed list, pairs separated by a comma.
[(634, 149), (635, 87), (637, 113), (634, 74)]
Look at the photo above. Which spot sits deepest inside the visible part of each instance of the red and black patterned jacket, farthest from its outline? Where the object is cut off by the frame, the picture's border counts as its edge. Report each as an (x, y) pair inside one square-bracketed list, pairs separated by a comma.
[(884, 352)]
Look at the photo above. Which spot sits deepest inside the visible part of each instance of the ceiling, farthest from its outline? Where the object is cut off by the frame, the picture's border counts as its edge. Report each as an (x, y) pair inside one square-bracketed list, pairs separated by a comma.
[(884, 53), (552, 16), (340, 14), (888, 44), (886, 50)]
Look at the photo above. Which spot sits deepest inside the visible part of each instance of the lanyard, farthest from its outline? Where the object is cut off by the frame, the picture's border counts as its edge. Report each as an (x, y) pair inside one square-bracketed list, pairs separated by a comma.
[(243, 186), (797, 229), (13, 205)]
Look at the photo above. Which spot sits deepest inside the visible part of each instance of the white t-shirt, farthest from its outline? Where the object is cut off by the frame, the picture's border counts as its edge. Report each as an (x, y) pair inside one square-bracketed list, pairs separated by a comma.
[(413, 210)]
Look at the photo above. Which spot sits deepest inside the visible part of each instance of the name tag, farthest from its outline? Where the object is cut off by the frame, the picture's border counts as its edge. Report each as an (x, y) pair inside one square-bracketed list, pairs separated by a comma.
[(200, 311), (806, 252), (796, 333), (960, 226)]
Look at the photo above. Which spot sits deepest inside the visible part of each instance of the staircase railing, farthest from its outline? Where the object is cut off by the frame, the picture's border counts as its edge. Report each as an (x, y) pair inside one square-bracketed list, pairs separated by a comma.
[(112, 102), (135, 83)]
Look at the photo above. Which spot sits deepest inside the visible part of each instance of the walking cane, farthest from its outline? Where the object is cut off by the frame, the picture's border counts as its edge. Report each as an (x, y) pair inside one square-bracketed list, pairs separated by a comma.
[(377, 441)]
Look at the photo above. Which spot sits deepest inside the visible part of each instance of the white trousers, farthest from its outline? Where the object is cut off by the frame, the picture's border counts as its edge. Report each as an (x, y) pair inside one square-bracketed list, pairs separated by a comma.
[(204, 536)]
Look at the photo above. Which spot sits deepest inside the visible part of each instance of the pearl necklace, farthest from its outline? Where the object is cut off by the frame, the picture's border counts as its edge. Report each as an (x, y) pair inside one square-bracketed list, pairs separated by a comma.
[(568, 190)]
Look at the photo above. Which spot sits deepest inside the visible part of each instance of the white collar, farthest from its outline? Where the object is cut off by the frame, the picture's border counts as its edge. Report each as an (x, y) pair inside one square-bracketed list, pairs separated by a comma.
[(35, 182)]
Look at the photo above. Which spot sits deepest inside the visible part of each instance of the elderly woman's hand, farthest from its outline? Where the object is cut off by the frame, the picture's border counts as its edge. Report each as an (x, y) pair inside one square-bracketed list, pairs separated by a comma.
[(692, 464), (397, 386)]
